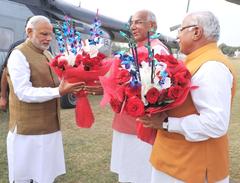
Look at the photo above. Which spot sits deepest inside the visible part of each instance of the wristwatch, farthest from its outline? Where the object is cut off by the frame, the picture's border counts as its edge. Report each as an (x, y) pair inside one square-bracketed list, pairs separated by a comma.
[(165, 124)]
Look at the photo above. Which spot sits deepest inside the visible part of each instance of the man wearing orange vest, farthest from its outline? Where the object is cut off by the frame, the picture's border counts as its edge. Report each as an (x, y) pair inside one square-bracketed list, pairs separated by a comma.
[(191, 144)]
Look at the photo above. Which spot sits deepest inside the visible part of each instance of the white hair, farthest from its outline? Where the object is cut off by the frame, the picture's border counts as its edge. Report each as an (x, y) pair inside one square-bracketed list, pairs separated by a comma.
[(151, 16), (33, 21), (209, 22)]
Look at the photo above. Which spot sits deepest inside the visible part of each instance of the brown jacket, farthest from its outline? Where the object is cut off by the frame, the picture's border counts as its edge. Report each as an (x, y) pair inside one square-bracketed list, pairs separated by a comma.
[(35, 118)]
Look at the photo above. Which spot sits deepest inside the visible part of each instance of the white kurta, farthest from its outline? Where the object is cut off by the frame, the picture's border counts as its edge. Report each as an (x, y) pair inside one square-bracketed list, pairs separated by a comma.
[(130, 156), (38, 157), (158, 177), (213, 101)]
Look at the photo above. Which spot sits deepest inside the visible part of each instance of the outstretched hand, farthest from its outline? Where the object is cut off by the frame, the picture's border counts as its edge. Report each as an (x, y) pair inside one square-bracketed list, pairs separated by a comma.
[(153, 120), (66, 87), (97, 89)]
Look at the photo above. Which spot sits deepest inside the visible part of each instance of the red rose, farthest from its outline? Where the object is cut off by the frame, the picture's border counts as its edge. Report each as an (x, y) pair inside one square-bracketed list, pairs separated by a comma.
[(87, 66), (143, 56), (174, 69), (86, 59), (179, 79), (174, 92), (122, 76), (162, 95), (185, 72), (152, 95), (116, 105), (62, 63), (54, 62), (182, 76), (87, 62), (95, 61), (168, 59), (134, 107), (78, 59), (171, 59), (133, 91), (101, 55)]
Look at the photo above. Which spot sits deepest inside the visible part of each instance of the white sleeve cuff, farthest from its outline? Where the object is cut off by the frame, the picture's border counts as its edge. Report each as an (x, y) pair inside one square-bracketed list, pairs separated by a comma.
[(174, 125)]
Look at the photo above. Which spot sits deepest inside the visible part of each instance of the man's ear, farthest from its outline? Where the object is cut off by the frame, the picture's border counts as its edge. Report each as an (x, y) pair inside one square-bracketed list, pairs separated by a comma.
[(29, 31), (153, 26), (198, 33)]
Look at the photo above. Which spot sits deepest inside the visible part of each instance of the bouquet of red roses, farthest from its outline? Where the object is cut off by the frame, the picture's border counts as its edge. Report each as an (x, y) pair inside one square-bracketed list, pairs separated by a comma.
[(80, 61), (147, 87)]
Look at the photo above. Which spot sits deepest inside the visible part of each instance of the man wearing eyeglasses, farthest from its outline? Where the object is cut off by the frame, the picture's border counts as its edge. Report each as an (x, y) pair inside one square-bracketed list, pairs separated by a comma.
[(130, 155), (194, 146)]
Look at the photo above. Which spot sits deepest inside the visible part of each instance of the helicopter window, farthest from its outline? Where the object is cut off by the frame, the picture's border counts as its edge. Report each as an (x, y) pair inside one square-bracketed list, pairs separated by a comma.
[(6, 38)]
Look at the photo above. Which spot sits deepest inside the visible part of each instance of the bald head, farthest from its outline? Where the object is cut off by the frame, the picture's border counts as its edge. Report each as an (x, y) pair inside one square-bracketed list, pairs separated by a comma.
[(142, 22), (148, 15)]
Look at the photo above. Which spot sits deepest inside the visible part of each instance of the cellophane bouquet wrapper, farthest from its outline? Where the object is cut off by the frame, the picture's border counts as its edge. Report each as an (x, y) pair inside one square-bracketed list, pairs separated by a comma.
[(85, 69), (153, 87)]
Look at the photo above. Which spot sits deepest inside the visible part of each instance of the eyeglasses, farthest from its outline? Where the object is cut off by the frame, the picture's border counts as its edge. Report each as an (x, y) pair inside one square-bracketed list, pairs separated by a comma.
[(137, 22), (185, 27)]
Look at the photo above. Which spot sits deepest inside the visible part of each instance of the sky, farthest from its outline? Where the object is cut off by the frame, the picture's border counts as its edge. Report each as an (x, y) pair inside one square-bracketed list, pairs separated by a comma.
[(172, 12)]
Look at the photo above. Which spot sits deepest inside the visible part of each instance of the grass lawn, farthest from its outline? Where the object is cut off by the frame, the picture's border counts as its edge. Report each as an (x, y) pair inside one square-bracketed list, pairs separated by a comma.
[(234, 129), (87, 151)]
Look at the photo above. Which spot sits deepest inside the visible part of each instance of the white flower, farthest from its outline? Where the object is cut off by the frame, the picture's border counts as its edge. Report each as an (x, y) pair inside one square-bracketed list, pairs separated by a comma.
[(69, 58), (167, 83), (91, 49), (145, 73)]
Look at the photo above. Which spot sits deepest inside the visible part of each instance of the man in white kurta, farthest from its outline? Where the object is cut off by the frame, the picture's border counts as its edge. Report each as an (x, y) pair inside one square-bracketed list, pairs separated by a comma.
[(130, 155), (34, 156)]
